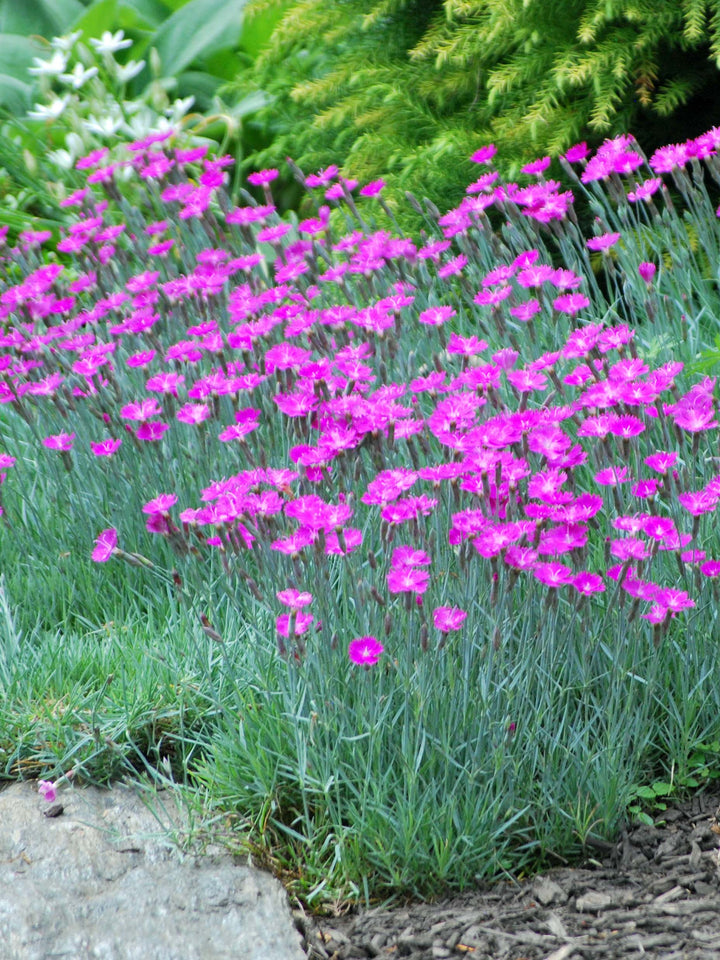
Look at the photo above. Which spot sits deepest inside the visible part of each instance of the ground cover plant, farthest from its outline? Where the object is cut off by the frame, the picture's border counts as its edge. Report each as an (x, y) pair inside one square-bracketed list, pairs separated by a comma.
[(399, 552)]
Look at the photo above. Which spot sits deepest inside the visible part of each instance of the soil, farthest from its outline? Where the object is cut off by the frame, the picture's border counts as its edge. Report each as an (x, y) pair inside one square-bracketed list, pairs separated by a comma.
[(655, 895)]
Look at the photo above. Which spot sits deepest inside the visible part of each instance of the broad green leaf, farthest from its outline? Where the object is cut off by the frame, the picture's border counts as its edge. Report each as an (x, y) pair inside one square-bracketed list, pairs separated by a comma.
[(16, 55), (121, 15), (14, 95), (199, 28), (662, 789), (646, 793), (47, 18), (226, 64), (202, 86)]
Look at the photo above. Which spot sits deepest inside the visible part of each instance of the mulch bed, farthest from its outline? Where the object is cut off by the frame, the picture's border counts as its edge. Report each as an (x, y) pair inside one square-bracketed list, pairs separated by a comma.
[(655, 894)]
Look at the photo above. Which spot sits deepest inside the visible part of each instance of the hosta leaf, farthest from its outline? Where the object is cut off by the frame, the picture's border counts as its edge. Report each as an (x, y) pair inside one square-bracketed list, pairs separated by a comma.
[(47, 18), (199, 28)]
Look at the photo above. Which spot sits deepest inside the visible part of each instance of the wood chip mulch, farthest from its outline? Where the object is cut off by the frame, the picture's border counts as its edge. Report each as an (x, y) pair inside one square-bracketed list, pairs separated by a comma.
[(654, 895)]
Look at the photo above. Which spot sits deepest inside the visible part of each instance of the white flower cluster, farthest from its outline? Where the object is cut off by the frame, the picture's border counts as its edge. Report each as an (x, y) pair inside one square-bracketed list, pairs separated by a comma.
[(83, 88)]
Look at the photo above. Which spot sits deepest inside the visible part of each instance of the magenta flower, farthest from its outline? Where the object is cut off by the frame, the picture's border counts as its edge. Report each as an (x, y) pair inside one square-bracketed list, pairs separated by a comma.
[(365, 650), (46, 789), (404, 579), (571, 303), (603, 242), (657, 613), (59, 441), (626, 426), (301, 625), (588, 583), (661, 461), (436, 316), (262, 177), (410, 557), (448, 618), (577, 153), (645, 190), (553, 574), (105, 448), (711, 568), (141, 411), (698, 502), (295, 599), (484, 154), (536, 166), (372, 189), (105, 545), (647, 271), (612, 476), (193, 413), (520, 558), (160, 504), (151, 430)]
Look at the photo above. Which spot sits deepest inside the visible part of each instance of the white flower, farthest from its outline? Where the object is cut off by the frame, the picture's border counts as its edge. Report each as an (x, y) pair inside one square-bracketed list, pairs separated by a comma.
[(61, 158), (179, 108), (103, 126), (49, 68), (110, 42), (131, 69), (50, 111), (67, 42), (79, 75)]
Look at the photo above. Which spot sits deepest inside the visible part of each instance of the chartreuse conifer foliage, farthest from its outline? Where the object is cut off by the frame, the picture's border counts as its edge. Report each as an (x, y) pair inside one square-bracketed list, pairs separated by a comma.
[(407, 89)]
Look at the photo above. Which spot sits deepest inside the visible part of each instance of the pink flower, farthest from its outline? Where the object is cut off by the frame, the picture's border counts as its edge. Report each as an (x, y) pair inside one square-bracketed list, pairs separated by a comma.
[(553, 574), (698, 502), (372, 189), (152, 430), (160, 504), (645, 190), (46, 789), (571, 303), (647, 271), (301, 625), (141, 411), (661, 461), (448, 618), (536, 166), (579, 152), (520, 558), (105, 448), (436, 316), (59, 441), (484, 154), (295, 599), (612, 476), (365, 650), (588, 583), (406, 579), (603, 242), (262, 177), (105, 545), (193, 413), (406, 556)]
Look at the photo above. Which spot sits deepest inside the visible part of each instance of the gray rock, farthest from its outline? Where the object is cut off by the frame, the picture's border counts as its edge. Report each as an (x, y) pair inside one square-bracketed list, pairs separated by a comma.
[(102, 881)]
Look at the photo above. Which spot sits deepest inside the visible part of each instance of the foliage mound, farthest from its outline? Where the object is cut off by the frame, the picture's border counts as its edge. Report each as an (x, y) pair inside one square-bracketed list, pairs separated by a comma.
[(402, 554)]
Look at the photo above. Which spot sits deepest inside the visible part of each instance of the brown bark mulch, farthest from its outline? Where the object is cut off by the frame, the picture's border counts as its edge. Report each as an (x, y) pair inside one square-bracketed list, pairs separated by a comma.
[(655, 894)]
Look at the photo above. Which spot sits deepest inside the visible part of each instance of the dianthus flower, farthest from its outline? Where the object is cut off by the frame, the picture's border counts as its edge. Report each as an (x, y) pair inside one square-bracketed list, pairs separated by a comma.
[(365, 650), (448, 618)]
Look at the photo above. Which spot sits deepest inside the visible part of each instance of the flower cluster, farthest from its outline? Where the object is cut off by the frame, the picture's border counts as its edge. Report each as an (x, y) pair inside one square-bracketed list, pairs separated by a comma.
[(330, 391)]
